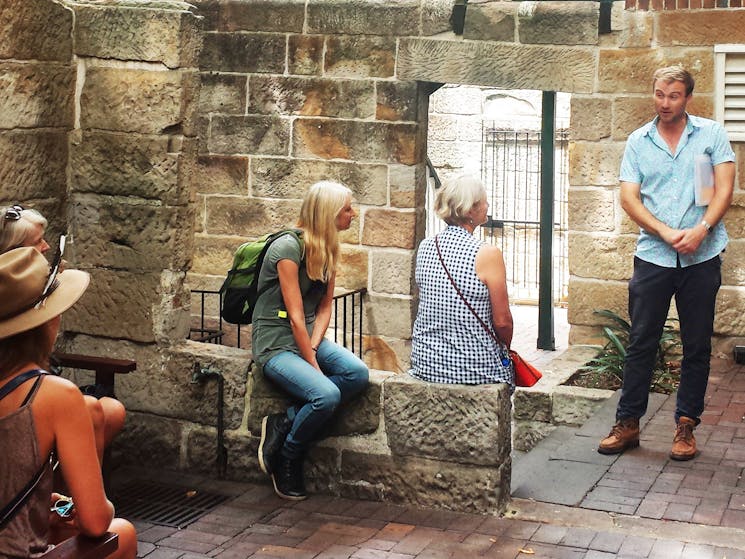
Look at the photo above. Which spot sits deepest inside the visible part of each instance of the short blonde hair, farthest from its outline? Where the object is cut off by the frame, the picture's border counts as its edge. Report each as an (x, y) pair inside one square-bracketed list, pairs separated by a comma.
[(675, 73), (456, 197), (321, 205), (14, 233)]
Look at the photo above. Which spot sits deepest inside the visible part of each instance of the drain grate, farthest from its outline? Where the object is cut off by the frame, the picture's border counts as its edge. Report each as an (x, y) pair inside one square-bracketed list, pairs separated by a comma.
[(167, 505)]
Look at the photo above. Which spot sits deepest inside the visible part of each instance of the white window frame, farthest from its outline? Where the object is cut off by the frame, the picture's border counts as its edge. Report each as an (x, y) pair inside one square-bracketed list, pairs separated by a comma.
[(722, 54)]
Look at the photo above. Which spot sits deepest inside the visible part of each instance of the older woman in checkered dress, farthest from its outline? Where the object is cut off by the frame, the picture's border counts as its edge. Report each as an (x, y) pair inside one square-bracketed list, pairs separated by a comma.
[(463, 327)]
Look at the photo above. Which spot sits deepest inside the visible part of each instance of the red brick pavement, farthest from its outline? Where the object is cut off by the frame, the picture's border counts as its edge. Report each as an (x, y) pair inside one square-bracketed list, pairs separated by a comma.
[(708, 490)]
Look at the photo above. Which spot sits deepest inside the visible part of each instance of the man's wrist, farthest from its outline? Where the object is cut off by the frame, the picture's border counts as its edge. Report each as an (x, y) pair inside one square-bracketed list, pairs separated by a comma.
[(706, 225)]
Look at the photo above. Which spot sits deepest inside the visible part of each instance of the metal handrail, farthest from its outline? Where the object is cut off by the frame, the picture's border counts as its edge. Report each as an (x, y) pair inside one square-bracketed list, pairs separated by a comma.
[(347, 324)]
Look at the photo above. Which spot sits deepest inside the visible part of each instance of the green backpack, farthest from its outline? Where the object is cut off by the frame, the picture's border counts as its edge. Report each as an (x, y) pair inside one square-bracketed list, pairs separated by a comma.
[(239, 291)]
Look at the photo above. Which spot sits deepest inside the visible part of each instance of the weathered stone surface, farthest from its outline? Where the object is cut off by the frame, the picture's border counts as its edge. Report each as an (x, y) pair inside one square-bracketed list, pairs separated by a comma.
[(635, 28), (573, 405), (595, 163), (105, 237), (532, 405), (734, 219), (558, 23), (436, 17), (222, 93), (363, 18), (248, 217), (305, 54), (218, 174), (34, 163), (262, 15), (592, 209), (529, 433), (35, 30), (630, 70), (589, 295), (128, 165), (732, 272), (407, 185), (131, 33), (291, 178), (363, 141), (322, 470), (392, 271), (631, 112), (263, 135), (601, 256), (209, 11), (547, 68), (708, 27), (427, 483), (458, 101), (454, 423), (490, 21), (397, 101), (389, 228), (360, 57), (389, 316), (131, 306), (353, 268), (149, 439), (36, 95), (311, 97), (591, 118), (133, 100), (243, 52), (729, 319)]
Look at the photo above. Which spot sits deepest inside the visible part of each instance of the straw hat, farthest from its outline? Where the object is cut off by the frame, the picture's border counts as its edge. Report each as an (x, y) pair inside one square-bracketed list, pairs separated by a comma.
[(23, 274)]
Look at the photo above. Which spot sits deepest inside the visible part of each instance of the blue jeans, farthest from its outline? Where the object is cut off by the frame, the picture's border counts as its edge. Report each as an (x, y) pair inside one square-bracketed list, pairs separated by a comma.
[(650, 291), (344, 376)]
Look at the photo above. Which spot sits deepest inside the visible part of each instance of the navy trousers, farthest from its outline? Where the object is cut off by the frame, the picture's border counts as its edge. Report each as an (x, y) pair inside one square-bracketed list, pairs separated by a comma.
[(650, 291)]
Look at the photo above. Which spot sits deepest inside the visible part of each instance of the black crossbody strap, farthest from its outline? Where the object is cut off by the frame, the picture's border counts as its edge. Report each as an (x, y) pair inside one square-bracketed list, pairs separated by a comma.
[(9, 510), (19, 380), (458, 291)]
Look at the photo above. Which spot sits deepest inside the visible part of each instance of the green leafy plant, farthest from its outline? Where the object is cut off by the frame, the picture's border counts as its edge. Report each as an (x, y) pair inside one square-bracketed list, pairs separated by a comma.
[(606, 369)]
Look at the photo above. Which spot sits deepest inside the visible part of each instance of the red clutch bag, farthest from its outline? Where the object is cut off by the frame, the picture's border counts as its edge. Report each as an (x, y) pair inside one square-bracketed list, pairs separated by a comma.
[(525, 373)]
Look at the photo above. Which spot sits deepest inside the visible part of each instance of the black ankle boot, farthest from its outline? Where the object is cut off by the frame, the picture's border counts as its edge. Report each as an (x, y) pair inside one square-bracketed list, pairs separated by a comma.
[(274, 429), (287, 476)]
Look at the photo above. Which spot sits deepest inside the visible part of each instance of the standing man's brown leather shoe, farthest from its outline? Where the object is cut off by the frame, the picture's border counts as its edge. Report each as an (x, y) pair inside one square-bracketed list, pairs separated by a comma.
[(684, 443), (624, 435)]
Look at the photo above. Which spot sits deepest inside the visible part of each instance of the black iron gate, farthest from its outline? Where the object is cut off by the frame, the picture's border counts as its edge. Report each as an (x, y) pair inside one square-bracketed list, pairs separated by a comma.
[(511, 172)]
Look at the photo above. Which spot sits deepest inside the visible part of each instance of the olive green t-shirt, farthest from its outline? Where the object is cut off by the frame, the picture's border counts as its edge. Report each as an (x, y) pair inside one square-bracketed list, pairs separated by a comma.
[(271, 330)]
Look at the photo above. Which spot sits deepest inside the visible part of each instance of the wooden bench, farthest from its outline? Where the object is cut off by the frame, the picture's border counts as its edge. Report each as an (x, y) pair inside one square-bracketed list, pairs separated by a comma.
[(104, 367), (84, 547)]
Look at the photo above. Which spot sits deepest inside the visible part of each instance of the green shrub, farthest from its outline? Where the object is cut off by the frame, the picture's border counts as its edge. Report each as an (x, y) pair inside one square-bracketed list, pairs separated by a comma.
[(606, 368)]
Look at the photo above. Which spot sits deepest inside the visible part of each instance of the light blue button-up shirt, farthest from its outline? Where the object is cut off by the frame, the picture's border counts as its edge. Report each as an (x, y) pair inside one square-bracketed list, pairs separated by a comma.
[(667, 185)]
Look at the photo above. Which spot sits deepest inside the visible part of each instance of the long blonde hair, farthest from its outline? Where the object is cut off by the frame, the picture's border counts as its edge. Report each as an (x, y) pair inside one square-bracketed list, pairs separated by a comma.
[(321, 205)]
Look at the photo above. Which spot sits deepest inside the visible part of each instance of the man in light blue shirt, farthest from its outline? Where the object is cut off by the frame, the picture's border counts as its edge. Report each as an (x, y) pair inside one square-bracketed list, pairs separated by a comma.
[(677, 253)]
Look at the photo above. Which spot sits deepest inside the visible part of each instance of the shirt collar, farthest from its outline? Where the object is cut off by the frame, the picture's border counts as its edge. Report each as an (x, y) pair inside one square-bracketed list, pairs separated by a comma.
[(692, 122)]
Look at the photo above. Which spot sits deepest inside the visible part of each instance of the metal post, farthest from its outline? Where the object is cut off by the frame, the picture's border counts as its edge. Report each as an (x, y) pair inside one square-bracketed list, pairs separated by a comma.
[(545, 274)]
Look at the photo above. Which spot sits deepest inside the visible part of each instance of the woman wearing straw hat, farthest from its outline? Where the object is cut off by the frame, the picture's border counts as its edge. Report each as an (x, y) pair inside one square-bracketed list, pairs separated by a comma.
[(43, 416), (25, 227)]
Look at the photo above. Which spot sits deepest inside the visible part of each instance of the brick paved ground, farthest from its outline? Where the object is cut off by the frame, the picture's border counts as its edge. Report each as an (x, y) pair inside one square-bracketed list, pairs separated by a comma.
[(708, 490), (641, 505)]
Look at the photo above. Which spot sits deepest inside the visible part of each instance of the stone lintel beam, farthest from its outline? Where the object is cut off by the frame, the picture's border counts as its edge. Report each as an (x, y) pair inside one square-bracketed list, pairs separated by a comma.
[(508, 66)]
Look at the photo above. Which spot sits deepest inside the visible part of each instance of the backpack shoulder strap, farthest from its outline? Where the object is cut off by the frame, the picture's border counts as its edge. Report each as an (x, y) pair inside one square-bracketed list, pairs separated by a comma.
[(19, 380)]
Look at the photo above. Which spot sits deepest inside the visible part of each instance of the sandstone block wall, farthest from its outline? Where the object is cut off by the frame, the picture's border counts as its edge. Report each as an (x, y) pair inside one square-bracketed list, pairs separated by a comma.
[(159, 157)]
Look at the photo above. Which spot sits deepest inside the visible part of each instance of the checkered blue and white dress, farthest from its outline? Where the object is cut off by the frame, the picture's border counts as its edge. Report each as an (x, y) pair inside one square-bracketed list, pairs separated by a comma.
[(449, 345)]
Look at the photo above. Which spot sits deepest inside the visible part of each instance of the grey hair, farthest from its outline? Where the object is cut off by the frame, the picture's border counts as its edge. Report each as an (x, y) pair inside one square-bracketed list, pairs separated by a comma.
[(457, 196), (14, 234)]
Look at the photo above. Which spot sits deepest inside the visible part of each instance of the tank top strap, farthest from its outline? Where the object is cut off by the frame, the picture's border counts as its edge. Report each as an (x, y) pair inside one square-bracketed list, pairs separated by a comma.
[(19, 380)]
